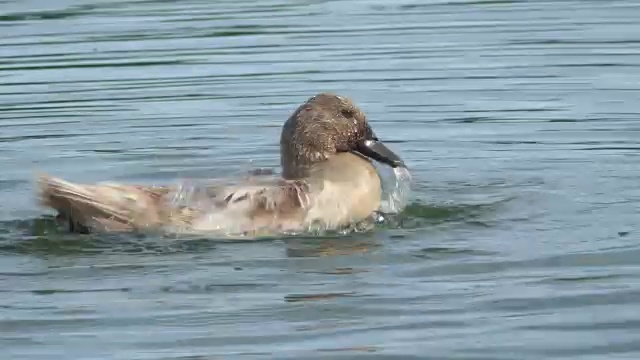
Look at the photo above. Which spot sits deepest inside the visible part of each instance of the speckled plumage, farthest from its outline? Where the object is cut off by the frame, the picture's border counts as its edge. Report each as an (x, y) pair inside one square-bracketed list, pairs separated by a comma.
[(325, 124)]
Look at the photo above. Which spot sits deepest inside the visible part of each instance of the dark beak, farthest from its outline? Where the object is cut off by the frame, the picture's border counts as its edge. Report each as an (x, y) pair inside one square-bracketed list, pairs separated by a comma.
[(376, 150)]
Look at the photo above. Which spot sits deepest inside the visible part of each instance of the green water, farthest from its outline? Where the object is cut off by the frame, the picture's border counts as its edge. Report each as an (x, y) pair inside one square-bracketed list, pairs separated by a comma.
[(518, 119)]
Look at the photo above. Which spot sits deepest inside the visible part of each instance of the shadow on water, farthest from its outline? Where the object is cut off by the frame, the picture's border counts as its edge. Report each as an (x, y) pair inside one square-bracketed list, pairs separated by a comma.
[(418, 215), (43, 236)]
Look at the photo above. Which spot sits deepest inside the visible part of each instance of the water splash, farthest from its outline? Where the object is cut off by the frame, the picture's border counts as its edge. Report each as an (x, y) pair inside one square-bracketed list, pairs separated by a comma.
[(396, 191), (199, 198), (189, 198), (188, 193)]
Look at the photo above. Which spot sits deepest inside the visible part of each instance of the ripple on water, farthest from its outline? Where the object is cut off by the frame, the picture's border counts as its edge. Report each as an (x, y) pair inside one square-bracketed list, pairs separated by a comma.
[(518, 121)]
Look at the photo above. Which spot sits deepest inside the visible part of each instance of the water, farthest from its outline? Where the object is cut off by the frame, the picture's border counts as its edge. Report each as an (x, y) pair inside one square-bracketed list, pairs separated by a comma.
[(518, 119)]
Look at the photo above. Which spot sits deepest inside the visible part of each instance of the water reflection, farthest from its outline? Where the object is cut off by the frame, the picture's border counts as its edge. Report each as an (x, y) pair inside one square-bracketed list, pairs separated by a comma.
[(318, 247)]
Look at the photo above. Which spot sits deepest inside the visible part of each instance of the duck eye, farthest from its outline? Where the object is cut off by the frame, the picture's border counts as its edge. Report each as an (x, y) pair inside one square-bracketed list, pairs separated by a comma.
[(347, 113)]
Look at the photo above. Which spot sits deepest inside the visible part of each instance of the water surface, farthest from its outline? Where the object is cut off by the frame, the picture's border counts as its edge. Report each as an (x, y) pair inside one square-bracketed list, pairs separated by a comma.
[(519, 120)]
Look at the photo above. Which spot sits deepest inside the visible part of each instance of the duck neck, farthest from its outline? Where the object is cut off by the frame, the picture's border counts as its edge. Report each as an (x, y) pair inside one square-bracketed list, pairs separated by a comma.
[(294, 170), (298, 164)]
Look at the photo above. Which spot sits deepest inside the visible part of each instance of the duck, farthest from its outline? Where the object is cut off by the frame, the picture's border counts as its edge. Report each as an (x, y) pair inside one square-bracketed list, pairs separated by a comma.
[(328, 180)]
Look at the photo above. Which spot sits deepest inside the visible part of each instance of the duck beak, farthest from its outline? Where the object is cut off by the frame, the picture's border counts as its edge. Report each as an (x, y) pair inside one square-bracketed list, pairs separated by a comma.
[(376, 150)]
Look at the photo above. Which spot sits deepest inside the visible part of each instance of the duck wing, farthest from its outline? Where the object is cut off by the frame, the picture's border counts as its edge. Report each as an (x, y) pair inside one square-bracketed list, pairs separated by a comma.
[(103, 206), (259, 203)]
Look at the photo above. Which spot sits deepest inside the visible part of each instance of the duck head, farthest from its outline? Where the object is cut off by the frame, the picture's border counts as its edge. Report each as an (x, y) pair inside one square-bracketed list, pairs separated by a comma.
[(327, 124)]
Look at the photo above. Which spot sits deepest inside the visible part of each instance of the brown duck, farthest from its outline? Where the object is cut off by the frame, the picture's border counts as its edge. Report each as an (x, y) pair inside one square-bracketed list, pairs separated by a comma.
[(328, 180)]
